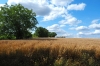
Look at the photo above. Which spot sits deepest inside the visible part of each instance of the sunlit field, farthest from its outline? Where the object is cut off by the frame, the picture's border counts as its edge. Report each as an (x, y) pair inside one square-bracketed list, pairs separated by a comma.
[(50, 52)]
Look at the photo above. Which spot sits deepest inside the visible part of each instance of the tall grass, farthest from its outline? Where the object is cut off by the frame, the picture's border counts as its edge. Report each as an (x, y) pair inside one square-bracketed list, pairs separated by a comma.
[(53, 52)]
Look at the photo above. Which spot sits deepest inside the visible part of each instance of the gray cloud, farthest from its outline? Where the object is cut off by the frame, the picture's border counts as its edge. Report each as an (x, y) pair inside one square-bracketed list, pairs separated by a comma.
[(39, 10)]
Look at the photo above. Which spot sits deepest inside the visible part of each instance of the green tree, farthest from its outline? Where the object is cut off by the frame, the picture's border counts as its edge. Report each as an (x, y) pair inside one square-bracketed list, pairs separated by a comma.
[(41, 32), (52, 34), (16, 21)]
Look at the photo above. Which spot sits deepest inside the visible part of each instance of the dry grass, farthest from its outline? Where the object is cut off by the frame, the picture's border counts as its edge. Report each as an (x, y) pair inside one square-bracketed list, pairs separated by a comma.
[(56, 50)]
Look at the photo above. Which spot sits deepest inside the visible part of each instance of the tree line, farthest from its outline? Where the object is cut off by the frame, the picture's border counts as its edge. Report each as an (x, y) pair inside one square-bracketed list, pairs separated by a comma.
[(16, 22), (43, 32)]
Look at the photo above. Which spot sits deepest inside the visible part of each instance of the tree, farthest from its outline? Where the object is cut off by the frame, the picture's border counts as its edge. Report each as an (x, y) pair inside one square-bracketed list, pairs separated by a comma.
[(17, 21), (41, 32), (52, 34)]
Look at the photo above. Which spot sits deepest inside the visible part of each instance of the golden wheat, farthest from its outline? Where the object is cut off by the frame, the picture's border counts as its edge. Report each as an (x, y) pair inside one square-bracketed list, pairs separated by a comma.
[(56, 46), (50, 52)]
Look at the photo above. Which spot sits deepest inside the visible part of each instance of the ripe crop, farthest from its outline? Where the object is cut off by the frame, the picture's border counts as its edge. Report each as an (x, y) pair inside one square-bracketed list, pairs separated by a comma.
[(50, 52)]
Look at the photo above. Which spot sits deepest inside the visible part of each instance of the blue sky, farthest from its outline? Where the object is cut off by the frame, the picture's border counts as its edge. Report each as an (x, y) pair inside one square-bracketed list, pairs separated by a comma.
[(70, 18)]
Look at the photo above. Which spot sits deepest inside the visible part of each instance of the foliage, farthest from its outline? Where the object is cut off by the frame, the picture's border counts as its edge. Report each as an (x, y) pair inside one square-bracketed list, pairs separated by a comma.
[(52, 34), (34, 35), (16, 21), (41, 32)]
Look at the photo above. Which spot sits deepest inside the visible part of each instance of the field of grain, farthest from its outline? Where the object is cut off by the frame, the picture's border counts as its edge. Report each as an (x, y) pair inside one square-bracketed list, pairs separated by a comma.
[(50, 52)]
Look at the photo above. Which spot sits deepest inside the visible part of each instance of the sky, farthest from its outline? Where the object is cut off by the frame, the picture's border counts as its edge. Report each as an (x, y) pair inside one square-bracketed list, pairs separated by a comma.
[(69, 18)]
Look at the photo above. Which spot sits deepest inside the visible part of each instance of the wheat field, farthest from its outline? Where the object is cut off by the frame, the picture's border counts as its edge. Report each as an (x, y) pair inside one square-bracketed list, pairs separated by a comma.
[(52, 52)]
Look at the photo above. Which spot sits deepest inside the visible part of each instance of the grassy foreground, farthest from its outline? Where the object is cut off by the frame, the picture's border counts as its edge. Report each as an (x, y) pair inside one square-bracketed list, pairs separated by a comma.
[(50, 52)]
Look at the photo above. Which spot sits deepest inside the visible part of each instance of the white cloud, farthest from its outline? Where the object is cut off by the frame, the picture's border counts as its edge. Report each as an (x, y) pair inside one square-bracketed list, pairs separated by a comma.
[(43, 8), (80, 33), (56, 28), (69, 19), (55, 12), (40, 7), (85, 33), (80, 6), (90, 31), (96, 32), (2, 5), (50, 9), (53, 27), (92, 34), (62, 25), (95, 26), (95, 21), (40, 2), (82, 28), (61, 2)]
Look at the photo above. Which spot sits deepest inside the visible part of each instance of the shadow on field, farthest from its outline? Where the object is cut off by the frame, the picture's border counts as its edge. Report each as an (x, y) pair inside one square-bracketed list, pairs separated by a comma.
[(42, 39), (33, 39)]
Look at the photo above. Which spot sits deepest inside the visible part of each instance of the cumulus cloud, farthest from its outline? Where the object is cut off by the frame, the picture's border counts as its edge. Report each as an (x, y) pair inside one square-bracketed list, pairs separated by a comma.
[(95, 21), (62, 25), (84, 33), (95, 26), (61, 2), (1, 5), (82, 28), (90, 31), (80, 33), (92, 34), (96, 32), (55, 12), (80, 6), (40, 2), (43, 7), (47, 9), (40, 7), (56, 28), (69, 19)]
